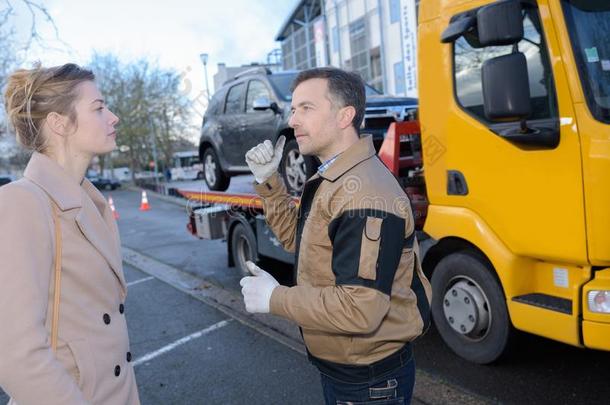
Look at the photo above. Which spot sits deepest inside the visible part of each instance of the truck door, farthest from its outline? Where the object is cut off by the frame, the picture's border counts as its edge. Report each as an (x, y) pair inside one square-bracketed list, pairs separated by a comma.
[(530, 194)]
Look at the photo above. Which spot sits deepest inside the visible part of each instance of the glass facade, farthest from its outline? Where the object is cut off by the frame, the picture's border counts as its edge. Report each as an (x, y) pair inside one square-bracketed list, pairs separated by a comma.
[(299, 50), (356, 38)]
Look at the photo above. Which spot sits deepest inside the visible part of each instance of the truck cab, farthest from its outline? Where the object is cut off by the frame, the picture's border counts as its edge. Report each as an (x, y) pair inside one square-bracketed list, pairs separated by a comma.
[(515, 128)]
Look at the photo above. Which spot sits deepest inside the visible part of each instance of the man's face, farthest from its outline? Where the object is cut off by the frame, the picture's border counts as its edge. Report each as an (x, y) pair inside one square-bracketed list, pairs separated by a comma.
[(314, 118)]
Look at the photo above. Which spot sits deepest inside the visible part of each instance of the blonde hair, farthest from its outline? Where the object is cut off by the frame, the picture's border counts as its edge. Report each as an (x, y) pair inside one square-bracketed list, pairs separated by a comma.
[(31, 94)]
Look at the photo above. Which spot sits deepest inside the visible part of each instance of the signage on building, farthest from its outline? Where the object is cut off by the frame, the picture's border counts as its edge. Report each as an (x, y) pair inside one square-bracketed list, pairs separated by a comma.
[(409, 45), (320, 42)]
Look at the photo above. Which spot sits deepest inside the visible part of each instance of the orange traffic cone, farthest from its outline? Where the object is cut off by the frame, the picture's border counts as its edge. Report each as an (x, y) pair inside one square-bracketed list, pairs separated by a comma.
[(144, 205), (115, 213)]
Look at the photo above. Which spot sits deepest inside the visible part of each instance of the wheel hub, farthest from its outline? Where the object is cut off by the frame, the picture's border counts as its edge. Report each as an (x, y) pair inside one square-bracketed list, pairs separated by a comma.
[(295, 170), (210, 169), (466, 310), (243, 252)]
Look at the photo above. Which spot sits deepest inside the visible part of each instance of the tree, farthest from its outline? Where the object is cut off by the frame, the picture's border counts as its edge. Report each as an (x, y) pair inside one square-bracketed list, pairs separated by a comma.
[(152, 109), (12, 54)]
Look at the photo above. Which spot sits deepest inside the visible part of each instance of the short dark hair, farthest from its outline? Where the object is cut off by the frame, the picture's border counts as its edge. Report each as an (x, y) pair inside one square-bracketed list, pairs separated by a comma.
[(346, 88)]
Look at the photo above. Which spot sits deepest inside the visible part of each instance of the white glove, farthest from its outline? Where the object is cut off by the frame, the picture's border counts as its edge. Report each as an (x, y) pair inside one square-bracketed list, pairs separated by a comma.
[(263, 159), (257, 289)]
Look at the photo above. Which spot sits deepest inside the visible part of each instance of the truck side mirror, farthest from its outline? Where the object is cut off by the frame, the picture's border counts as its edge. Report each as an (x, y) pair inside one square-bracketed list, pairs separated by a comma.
[(506, 91), (500, 23)]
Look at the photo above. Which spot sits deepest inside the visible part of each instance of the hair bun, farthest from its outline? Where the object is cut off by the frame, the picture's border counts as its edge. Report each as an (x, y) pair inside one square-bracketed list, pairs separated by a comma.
[(31, 94)]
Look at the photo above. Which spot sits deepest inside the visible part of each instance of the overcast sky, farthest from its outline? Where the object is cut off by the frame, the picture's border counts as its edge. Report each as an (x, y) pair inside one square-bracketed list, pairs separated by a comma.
[(173, 33)]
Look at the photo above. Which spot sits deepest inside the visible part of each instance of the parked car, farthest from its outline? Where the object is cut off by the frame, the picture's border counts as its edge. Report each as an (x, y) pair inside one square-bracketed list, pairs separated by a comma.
[(103, 183), (254, 106)]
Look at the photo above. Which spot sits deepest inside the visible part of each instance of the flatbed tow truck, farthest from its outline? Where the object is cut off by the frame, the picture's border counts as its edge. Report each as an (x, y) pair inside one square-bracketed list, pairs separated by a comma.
[(238, 217)]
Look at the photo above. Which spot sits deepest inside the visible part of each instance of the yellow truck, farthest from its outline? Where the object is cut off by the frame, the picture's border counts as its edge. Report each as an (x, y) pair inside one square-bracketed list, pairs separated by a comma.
[(515, 125)]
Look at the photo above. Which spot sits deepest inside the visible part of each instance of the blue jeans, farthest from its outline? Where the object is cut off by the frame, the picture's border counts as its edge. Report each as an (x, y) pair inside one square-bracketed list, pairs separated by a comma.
[(395, 387)]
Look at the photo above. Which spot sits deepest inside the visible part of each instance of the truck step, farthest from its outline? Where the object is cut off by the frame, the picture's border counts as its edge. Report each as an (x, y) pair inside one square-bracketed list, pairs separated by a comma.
[(546, 301)]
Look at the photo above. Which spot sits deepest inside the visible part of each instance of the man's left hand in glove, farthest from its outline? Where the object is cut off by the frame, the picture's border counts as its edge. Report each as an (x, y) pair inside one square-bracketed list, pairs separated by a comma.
[(257, 289)]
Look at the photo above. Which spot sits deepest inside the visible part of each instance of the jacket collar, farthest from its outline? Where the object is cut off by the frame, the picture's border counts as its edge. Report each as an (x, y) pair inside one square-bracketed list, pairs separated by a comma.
[(358, 152), (93, 218)]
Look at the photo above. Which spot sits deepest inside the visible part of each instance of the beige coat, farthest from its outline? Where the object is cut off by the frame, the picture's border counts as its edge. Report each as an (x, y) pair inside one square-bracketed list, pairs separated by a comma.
[(91, 365)]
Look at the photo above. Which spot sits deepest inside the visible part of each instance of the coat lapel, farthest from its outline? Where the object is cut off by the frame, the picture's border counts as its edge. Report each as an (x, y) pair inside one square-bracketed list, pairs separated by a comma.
[(96, 223), (93, 217)]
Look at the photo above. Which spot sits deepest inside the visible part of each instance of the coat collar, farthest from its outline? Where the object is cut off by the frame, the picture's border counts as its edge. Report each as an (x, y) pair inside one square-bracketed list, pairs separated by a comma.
[(54, 180), (93, 217), (358, 152)]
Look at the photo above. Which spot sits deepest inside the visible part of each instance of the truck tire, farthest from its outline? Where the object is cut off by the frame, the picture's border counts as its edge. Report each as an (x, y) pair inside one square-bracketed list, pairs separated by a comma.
[(469, 308), (296, 168), (243, 247), (215, 178)]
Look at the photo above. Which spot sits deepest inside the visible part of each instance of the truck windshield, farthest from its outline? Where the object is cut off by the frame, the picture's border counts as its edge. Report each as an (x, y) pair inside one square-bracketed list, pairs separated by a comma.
[(589, 27)]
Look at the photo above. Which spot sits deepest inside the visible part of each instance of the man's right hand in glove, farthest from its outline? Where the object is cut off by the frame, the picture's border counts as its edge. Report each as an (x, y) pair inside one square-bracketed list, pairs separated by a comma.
[(264, 160)]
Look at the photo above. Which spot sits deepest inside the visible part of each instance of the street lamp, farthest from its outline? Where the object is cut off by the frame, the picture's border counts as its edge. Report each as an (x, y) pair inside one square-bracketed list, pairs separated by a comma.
[(204, 60)]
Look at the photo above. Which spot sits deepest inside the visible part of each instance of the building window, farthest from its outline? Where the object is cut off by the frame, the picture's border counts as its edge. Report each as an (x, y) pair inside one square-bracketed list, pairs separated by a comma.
[(399, 77), (394, 11), (312, 46), (376, 77), (287, 53), (360, 58), (304, 51), (335, 39)]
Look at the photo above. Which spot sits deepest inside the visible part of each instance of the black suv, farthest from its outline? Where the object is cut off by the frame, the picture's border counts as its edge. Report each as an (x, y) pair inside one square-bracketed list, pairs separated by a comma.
[(254, 106)]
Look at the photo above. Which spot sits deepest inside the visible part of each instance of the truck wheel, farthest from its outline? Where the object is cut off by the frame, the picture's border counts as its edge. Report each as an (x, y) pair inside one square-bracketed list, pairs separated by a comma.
[(296, 168), (469, 308), (215, 178), (243, 247)]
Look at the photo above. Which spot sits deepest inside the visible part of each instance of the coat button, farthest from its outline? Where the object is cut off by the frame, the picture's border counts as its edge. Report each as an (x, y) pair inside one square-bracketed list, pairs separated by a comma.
[(117, 371), (128, 357), (121, 308), (107, 319)]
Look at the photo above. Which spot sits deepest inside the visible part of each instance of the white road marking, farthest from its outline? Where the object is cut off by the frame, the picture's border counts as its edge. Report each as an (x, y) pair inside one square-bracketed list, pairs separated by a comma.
[(180, 342), (140, 281), (226, 301)]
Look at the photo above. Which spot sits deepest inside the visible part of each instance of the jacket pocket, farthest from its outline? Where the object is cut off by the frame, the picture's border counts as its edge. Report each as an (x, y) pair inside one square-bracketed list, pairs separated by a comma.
[(369, 250), (86, 372), (315, 255)]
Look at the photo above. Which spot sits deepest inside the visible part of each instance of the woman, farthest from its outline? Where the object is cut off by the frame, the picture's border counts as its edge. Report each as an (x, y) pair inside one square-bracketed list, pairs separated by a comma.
[(55, 222)]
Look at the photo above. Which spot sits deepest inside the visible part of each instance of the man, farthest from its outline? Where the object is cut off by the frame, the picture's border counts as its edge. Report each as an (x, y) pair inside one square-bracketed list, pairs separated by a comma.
[(361, 296)]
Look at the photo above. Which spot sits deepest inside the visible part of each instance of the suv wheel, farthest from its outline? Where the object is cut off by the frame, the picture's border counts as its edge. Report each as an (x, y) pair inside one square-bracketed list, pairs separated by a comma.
[(296, 168), (215, 178)]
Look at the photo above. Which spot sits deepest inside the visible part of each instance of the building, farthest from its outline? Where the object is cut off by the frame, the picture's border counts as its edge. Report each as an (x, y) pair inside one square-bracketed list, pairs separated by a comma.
[(376, 38)]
